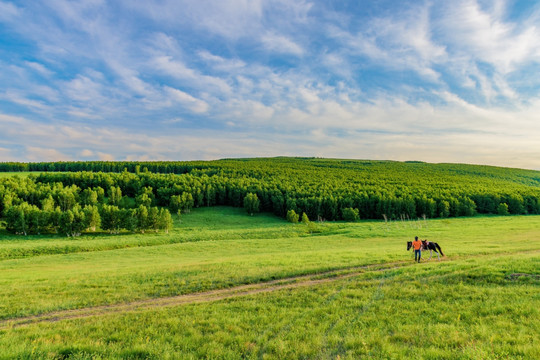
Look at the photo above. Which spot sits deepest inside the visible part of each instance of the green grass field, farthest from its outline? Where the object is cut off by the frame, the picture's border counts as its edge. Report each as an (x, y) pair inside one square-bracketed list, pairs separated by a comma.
[(21, 174), (360, 294)]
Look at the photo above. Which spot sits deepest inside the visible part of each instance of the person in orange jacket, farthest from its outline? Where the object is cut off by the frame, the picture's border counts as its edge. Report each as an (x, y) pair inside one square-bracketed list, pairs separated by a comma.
[(417, 246)]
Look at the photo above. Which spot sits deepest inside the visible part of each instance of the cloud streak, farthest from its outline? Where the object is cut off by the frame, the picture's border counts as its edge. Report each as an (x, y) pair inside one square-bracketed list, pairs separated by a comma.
[(433, 81)]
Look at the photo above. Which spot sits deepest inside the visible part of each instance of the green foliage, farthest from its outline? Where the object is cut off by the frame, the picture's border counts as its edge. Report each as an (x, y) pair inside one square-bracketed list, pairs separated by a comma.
[(16, 219), (251, 203), (292, 216), (153, 219), (89, 197), (92, 217), (66, 223), (305, 219), (320, 188), (350, 214), (503, 209), (115, 195), (165, 221), (141, 216), (146, 197), (444, 209)]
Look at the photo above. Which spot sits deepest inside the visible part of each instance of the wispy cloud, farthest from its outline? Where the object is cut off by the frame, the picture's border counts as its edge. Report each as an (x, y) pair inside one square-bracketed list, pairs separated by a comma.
[(152, 80), (281, 44), (195, 105), (487, 35), (8, 11)]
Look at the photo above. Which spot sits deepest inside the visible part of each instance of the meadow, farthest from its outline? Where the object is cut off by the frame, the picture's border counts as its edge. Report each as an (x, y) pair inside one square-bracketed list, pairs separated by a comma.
[(263, 288)]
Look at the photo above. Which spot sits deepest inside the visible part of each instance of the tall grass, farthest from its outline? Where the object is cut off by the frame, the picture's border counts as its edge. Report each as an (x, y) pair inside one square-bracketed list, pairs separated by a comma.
[(468, 307), (427, 311)]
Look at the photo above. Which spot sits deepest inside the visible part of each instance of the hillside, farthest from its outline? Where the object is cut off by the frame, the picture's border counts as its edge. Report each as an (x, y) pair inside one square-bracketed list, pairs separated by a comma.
[(326, 189)]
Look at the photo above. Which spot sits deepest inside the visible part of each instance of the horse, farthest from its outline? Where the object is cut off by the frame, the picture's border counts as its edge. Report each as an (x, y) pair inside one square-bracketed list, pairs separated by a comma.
[(428, 245)]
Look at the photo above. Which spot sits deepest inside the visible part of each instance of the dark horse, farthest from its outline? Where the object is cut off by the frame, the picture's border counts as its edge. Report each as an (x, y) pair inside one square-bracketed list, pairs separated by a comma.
[(428, 245)]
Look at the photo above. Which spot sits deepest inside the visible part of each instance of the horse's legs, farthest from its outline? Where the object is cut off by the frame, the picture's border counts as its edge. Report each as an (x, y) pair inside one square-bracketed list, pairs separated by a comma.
[(430, 254)]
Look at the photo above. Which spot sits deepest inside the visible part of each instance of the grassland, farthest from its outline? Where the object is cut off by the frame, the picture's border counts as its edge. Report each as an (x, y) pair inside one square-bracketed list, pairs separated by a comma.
[(19, 174), (472, 305)]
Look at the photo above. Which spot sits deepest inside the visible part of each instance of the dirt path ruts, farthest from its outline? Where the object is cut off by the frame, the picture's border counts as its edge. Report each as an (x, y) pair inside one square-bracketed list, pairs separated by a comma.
[(207, 296), (216, 295)]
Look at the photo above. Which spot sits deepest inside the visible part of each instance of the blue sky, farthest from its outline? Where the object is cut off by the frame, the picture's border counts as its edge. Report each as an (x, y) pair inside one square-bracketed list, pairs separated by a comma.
[(437, 81)]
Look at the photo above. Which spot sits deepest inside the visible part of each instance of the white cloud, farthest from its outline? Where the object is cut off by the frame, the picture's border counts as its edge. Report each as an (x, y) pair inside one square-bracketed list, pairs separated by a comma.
[(83, 89), (8, 11), (231, 19), (416, 82), (173, 121), (178, 70), (486, 36), (10, 119), (458, 133), (105, 157), (402, 42), (40, 68), (222, 64), (37, 154), (20, 99), (281, 44), (86, 153), (192, 103)]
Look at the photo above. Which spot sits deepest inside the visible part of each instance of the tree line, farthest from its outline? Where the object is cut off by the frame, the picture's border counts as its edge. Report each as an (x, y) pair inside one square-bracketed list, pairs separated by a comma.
[(31, 207), (320, 188)]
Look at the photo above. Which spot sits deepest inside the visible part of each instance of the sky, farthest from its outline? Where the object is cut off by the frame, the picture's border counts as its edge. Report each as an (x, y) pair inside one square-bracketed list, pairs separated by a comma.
[(436, 81)]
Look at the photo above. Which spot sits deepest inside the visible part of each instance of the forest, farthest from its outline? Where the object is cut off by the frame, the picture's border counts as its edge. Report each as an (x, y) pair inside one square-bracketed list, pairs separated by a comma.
[(71, 198)]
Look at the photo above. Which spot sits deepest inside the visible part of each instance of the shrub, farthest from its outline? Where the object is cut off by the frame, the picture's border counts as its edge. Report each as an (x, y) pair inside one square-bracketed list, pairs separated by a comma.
[(292, 216), (350, 214), (503, 209), (251, 203)]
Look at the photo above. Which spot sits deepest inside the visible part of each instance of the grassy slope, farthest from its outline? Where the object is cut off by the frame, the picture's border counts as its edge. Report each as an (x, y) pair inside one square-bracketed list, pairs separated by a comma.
[(470, 306), (433, 311), (21, 174)]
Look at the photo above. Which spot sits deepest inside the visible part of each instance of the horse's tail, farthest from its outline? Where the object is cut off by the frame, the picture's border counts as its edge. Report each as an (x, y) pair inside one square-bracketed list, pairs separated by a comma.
[(439, 248)]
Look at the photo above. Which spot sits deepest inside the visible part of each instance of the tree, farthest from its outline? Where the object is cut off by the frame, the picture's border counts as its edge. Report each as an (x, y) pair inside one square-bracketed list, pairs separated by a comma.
[(100, 194), (66, 222), (93, 219), (444, 209), (7, 202), (47, 204), (115, 195), (350, 214), (187, 202), (80, 222), (305, 219), (16, 220), (466, 207), (125, 202), (153, 218), (251, 203), (35, 220), (141, 215), (165, 221), (503, 209), (66, 199), (515, 204), (89, 197), (292, 216), (111, 218), (146, 197), (128, 219), (175, 203)]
